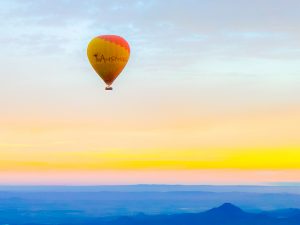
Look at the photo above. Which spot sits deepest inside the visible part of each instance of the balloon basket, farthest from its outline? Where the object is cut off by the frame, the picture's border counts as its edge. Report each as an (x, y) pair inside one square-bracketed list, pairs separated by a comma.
[(108, 88)]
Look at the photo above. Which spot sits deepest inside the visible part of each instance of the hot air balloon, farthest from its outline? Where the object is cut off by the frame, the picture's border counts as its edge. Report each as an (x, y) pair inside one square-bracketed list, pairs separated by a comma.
[(108, 55)]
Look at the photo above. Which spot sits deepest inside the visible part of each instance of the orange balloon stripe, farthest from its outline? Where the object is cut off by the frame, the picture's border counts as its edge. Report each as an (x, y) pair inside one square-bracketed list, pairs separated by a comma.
[(117, 40)]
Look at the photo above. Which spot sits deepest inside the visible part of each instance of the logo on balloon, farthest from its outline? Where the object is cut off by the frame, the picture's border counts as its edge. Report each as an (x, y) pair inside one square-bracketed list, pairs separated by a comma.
[(111, 59)]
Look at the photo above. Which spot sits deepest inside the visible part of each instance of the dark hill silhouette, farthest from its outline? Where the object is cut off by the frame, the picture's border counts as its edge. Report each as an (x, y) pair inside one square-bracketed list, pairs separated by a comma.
[(226, 209)]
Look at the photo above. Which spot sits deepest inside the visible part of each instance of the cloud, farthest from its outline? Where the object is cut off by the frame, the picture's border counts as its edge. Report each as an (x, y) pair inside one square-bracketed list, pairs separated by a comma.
[(161, 24)]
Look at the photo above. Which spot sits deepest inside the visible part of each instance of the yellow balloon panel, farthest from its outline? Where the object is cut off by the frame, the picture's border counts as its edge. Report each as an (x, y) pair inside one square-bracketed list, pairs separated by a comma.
[(108, 56)]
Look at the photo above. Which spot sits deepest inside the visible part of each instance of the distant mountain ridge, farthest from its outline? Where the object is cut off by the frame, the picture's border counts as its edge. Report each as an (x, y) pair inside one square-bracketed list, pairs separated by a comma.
[(292, 188), (119, 203), (226, 214)]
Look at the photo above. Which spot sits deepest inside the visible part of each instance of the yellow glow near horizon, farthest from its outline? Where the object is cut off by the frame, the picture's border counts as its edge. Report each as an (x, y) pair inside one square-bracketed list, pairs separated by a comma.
[(242, 142), (286, 158)]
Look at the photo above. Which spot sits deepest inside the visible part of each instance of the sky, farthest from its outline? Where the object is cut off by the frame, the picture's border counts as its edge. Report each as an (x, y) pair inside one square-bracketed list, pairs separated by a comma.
[(210, 95)]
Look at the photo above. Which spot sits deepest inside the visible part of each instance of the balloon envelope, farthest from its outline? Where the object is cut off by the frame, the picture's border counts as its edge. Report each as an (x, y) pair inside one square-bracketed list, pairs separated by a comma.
[(108, 55)]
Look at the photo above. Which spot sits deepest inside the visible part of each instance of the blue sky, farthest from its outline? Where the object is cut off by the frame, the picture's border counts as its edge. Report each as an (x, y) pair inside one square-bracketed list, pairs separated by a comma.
[(182, 43)]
